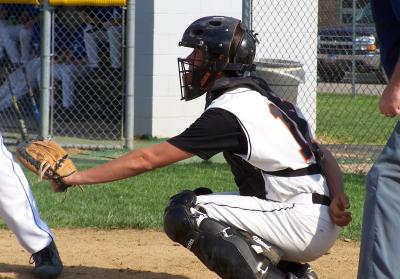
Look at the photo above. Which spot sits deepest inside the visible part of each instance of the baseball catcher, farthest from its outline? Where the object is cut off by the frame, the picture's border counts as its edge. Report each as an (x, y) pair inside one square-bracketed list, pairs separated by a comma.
[(48, 160), (291, 201)]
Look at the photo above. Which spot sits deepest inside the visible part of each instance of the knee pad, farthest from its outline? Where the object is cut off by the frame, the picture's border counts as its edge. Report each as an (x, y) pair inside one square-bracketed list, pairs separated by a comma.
[(202, 191), (228, 253), (179, 223)]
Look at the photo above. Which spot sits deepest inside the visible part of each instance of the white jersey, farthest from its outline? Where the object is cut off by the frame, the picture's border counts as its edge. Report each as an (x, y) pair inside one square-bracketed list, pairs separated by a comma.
[(272, 146), (287, 217)]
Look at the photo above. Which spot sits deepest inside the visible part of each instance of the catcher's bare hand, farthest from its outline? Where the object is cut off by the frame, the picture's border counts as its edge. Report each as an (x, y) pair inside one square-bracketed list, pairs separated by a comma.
[(338, 210), (58, 186)]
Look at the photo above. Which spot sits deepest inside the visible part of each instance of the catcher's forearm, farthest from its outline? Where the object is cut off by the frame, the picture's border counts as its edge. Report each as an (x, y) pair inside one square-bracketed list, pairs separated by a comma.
[(332, 172), (131, 164), (117, 169)]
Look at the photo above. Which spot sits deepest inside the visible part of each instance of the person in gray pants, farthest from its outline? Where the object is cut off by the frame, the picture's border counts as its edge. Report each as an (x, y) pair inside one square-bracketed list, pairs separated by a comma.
[(380, 247)]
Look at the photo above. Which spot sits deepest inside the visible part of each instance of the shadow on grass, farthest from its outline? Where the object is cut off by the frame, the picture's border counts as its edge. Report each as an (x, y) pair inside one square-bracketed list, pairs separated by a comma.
[(85, 272)]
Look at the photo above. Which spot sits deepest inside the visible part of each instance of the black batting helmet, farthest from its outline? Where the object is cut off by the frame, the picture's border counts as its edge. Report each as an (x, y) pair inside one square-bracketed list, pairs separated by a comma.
[(226, 47)]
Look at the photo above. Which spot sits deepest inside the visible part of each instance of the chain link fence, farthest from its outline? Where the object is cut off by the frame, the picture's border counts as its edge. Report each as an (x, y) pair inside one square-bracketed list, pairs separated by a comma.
[(333, 41), (86, 73), (17, 71), (344, 77)]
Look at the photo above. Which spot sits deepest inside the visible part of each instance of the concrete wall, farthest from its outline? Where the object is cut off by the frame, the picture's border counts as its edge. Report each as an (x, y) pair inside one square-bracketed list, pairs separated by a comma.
[(159, 27)]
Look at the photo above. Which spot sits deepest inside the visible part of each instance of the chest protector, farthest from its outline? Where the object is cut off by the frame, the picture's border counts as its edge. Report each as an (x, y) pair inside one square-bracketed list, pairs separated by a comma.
[(276, 140), (279, 141)]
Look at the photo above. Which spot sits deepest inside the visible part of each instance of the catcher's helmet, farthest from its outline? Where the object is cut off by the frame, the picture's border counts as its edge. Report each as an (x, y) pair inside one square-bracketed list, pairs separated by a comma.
[(224, 46)]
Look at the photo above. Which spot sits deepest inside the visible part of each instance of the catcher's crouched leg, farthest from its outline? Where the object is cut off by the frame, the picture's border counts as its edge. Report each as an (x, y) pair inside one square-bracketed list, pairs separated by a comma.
[(221, 248)]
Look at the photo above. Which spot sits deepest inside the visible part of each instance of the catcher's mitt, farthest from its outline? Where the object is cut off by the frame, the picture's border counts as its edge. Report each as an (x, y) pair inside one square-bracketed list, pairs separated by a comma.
[(47, 159)]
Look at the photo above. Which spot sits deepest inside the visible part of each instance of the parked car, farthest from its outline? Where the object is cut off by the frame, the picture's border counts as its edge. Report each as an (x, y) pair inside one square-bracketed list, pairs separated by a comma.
[(335, 49)]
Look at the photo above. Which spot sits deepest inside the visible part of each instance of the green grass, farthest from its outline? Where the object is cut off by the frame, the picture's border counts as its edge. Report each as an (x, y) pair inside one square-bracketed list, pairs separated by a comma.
[(132, 203), (344, 119), (139, 202)]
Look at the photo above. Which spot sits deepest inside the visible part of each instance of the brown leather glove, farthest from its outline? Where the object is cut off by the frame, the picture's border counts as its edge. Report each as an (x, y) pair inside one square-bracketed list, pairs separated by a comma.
[(47, 159)]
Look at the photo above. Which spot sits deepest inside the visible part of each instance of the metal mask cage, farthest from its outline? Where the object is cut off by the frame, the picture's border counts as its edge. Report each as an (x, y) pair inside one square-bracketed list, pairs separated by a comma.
[(184, 69), (190, 74)]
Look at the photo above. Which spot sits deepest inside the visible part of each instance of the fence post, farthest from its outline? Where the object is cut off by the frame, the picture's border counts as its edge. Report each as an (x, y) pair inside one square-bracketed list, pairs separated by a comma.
[(353, 61), (45, 69), (130, 73), (246, 13)]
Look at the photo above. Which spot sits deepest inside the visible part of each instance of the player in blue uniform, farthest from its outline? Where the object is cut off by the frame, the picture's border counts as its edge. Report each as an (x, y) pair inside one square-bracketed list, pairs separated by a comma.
[(70, 63), (380, 248), (16, 22), (104, 24)]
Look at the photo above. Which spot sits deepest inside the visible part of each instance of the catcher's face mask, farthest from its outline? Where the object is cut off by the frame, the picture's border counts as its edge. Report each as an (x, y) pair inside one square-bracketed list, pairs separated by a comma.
[(193, 75), (222, 46)]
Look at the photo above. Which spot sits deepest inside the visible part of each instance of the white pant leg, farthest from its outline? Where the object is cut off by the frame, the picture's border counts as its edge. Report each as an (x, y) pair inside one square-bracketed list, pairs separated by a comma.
[(25, 37), (5, 97), (114, 39), (18, 85), (295, 228), (11, 37), (91, 38), (65, 74), (1, 50), (18, 207), (32, 69), (18, 82), (2, 32)]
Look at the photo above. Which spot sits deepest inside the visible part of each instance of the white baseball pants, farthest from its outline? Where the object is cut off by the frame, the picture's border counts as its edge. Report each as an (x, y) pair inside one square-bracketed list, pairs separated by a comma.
[(303, 231), (18, 207)]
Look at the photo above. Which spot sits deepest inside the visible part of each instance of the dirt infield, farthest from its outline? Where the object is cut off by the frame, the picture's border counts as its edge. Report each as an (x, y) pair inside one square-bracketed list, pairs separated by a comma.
[(122, 254)]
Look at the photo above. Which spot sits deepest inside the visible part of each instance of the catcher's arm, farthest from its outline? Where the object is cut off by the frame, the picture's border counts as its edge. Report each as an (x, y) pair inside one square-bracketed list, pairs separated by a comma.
[(131, 164), (339, 200)]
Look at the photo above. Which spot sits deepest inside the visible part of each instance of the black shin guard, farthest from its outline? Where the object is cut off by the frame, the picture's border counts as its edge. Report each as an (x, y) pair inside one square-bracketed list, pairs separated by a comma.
[(226, 252), (179, 223)]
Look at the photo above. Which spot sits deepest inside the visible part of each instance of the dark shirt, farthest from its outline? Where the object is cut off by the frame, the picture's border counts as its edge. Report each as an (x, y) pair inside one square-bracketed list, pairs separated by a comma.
[(387, 20), (215, 131), (218, 130)]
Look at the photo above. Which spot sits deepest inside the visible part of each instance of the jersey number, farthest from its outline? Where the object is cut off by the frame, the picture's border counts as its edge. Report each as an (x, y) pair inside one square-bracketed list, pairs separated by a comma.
[(292, 121)]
